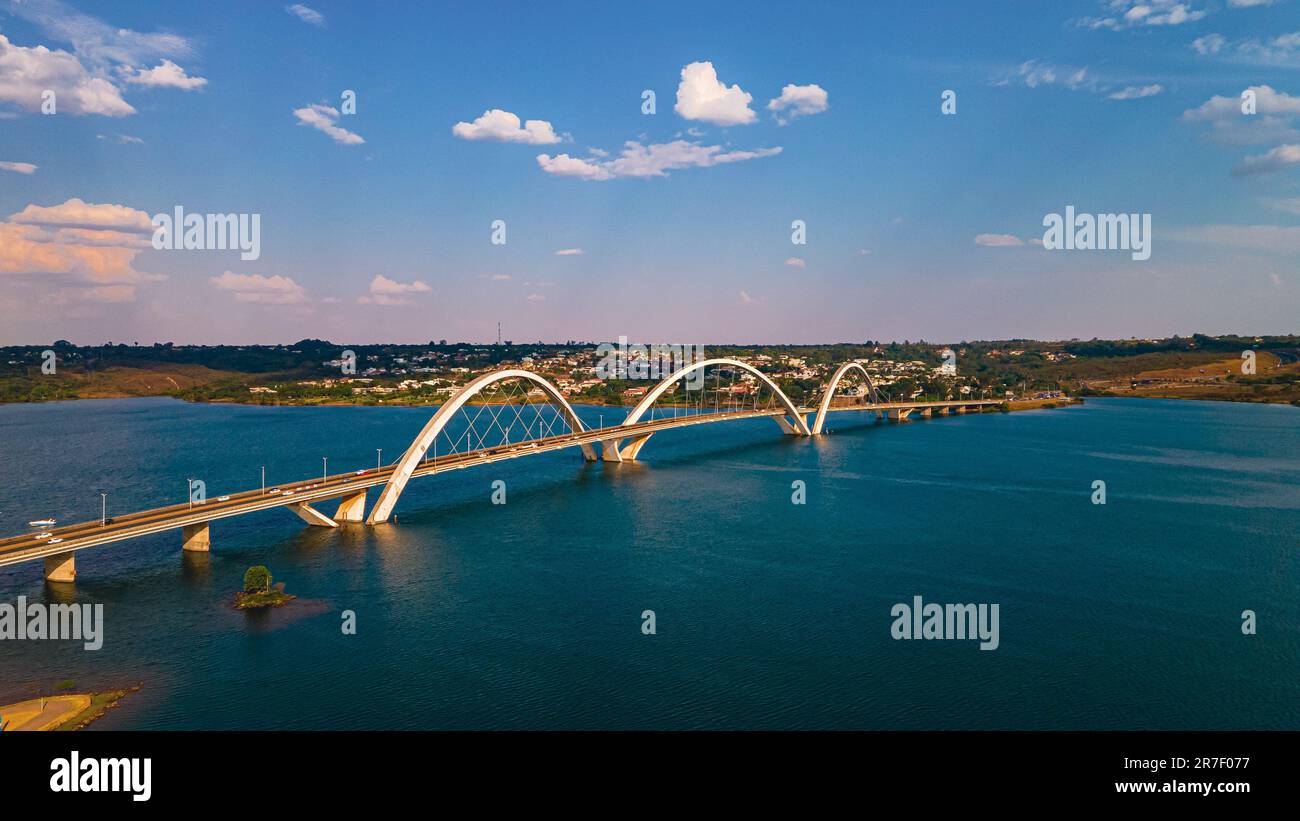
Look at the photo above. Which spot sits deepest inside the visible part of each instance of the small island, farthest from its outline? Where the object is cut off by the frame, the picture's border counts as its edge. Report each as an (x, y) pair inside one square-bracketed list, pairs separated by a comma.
[(259, 592)]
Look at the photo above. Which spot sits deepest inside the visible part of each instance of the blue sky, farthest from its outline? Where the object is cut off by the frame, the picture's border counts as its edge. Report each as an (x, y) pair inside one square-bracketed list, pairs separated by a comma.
[(919, 225)]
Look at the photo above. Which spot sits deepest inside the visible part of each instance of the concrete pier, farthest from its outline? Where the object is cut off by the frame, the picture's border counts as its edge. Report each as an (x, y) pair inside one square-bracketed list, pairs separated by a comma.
[(61, 568), (352, 508), (196, 538)]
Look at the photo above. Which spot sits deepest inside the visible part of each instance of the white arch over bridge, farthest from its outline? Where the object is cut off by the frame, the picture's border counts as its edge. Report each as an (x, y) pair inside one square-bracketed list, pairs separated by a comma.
[(411, 459), (825, 405), (614, 451)]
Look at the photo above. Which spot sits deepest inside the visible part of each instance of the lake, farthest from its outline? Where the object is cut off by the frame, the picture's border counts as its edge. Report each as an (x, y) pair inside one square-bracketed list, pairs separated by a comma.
[(767, 613)]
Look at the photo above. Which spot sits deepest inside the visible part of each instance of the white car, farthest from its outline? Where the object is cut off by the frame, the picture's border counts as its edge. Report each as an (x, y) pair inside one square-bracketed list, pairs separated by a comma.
[(288, 493), (43, 535), (223, 498), (55, 541)]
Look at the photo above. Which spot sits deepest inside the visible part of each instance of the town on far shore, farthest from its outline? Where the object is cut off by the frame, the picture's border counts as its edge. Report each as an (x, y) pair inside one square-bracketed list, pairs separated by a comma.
[(318, 372)]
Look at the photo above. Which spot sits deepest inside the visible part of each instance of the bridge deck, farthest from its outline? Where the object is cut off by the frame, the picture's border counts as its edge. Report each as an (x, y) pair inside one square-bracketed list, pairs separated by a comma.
[(26, 547)]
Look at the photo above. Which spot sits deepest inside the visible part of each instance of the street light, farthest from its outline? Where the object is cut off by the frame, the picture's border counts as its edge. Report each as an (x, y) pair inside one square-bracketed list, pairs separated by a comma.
[(103, 511), (263, 480), (325, 468), (379, 453), (189, 492)]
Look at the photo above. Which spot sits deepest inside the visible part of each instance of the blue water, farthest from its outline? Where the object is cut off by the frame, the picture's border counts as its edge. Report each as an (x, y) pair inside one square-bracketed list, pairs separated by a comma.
[(768, 614)]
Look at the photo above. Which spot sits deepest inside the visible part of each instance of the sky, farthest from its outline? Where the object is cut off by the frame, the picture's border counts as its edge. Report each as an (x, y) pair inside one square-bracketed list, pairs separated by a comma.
[(667, 225)]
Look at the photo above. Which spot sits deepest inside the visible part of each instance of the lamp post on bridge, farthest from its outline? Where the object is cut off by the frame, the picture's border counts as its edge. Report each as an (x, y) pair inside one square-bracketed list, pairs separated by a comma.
[(103, 510), (263, 480), (325, 468), (379, 455), (189, 492)]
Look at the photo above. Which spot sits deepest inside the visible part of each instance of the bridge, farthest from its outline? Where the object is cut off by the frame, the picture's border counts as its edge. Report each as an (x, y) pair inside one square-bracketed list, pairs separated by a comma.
[(506, 397)]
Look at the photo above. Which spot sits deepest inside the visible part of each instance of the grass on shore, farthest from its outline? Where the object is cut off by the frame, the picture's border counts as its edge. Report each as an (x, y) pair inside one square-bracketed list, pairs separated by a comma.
[(100, 703)]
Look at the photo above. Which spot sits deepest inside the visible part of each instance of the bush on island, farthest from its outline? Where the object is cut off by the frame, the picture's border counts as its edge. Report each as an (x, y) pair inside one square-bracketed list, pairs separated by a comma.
[(257, 579)]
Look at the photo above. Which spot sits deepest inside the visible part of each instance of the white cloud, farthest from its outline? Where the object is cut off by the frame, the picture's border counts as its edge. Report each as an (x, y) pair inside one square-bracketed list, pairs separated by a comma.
[(1125, 14), (799, 101), (1034, 73), (1282, 50), (74, 213), (85, 250), (1278, 50), (305, 14), (1135, 92), (536, 297), (272, 290), (655, 160), (562, 165), (385, 291), (123, 139), (701, 96), (1270, 124), (1209, 44), (25, 74), (746, 299), (100, 43), (1245, 4), (19, 167), (165, 75), (503, 126), (569, 252), (89, 79), (1267, 101), (1283, 156), (796, 262), (325, 118), (997, 240)]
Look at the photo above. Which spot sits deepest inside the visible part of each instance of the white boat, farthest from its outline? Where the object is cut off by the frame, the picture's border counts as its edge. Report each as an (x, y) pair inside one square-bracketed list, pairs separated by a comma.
[(42, 523)]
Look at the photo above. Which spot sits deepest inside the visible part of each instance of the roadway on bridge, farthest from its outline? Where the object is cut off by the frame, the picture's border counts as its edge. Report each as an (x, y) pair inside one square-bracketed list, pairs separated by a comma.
[(28, 547)]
